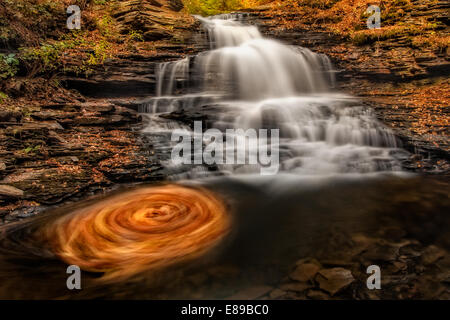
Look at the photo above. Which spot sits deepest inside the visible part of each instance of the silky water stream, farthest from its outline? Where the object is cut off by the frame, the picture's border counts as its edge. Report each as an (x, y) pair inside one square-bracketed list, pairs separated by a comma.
[(214, 229)]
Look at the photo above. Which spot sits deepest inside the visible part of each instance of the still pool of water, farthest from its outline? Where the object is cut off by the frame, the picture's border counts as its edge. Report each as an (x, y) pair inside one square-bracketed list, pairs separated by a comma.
[(274, 222)]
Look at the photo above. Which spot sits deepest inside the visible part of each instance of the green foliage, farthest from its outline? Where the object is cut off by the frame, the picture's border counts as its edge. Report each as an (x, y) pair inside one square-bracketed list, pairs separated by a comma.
[(101, 2), (46, 58), (211, 7), (32, 149), (100, 54), (3, 97), (9, 65), (105, 26), (370, 36), (25, 22), (135, 36)]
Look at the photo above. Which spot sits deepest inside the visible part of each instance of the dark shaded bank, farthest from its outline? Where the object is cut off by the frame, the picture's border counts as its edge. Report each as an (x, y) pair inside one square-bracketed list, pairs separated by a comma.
[(286, 243)]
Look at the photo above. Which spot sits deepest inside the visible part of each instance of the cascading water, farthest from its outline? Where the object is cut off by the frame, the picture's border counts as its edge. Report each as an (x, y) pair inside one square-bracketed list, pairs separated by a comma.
[(222, 31), (247, 81)]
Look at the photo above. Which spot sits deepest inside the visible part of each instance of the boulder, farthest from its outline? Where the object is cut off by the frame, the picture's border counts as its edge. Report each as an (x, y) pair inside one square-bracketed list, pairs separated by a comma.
[(305, 270), (334, 280)]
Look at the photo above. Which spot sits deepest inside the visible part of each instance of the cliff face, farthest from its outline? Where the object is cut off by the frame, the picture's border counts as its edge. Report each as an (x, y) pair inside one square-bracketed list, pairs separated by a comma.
[(160, 30), (156, 20), (56, 144)]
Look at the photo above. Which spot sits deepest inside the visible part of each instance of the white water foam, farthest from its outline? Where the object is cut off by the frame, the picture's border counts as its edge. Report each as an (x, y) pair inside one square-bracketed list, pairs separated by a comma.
[(259, 83)]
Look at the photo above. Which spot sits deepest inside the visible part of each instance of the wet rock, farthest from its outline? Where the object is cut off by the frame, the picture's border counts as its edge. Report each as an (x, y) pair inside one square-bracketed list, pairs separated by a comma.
[(153, 35), (102, 108), (26, 212), (445, 278), (332, 263), (276, 294), (51, 185), (419, 269), (317, 295), (251, 293), (127, 112), (121, 86), (10, 192), (22, 175), (399, 266), (55, 138), (296, 286), (94, 121), (51, 125), (432, 254), (176, 5), (134, 171), (334, 280), (305, 270), (370, 295), (103, 115), (389, 281), (412, 250), (294, 296), (52, 115), (30, 132), (10, 116), (186, 117), (381, 251), (54, 106)]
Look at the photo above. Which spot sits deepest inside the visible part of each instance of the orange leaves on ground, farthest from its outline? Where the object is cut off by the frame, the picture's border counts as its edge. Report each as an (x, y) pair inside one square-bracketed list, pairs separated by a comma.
[(427, 108)]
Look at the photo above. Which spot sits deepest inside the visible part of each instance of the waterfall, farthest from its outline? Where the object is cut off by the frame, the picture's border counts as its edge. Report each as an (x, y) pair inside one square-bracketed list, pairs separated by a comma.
[(225, 31), (247, 66), (169, 74), (261, 68), (247, 81)]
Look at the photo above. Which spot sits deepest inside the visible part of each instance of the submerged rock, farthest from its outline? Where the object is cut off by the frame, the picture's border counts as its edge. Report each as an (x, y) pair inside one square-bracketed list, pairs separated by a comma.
[(432, 254), (277, 293), (251, 293), (306, 270), (317, 295), (296, 286), (334, 280)]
